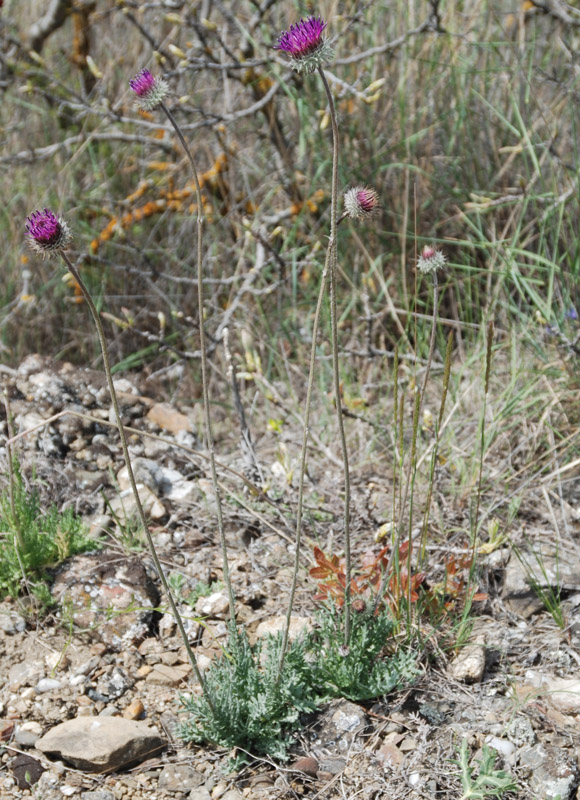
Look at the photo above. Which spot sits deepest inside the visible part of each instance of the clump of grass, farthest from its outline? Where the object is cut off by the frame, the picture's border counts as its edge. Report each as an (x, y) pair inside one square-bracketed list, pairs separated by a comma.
[(34, 539)]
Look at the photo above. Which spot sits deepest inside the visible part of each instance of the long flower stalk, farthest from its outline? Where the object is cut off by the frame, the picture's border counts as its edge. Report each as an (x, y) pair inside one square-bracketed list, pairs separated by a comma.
[(50, 235), (151, 92), (335, 366), (142, 518), (429, 262)]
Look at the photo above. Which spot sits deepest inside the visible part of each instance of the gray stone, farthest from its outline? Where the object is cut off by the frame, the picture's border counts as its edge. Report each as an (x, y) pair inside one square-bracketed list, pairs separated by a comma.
[(10, 621), (25, 738), (180, 778), (98, 584), (199, 794), (27, 673), (100, 794), (114, 683), (547, 570), (99, 744), (556, 776)]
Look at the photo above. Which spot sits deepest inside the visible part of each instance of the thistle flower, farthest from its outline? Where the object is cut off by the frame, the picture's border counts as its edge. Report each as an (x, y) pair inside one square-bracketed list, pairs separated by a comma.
[(150, 91), (430, 260), (360, 201), (47, 234), (305, 44)]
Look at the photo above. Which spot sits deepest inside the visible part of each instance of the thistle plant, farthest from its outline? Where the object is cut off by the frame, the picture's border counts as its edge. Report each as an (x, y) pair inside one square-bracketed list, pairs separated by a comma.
[(308, 50), (49, 235), (151, 93)]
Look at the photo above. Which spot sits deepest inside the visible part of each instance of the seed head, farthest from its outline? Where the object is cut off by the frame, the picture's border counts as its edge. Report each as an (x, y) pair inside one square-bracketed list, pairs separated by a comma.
[(47, 234), (361, 201), (430, 260), (150, 91), (306, 45)]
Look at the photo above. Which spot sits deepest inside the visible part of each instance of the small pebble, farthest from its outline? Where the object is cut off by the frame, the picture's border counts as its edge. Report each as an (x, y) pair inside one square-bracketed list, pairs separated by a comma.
[(48, 685)]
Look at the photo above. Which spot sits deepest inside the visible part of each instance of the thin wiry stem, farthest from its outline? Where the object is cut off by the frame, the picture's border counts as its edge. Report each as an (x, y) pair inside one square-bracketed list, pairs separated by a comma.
[(302, 467), (334, 333), (204, 370), (142, 518), (410, 466)]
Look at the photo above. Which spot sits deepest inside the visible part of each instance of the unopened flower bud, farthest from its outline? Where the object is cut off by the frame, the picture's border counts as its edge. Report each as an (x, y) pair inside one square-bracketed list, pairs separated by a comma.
[(361, 201), (430, 260)]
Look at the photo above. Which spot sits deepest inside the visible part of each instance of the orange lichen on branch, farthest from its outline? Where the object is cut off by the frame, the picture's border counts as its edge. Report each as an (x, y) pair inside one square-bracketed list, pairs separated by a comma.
[(172, 200)]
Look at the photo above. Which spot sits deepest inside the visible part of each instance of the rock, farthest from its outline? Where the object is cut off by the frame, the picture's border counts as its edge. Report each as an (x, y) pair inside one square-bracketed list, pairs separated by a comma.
[(563, 694), (134, 710), (232, 794), (25, 738), (390, 755), (550, 572), (199, 794), (27, 673), (338, 726), (56, 661), (114, 683), (307, 765), (502, 746), (6, 729), (554, 772), (124, 505), (10, 621), (168, 418), (274, 625), (180, 778), (214, 606), (26, 770), (520, 731), (94, 585), (332, 766), (48, 685), (469, 664), (100, 794), (162, 675), (100, 744)]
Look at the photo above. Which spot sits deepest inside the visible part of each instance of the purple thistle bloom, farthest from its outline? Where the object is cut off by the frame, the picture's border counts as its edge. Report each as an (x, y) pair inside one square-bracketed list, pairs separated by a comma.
[(47, 233), (572, 314), (150, 91), (305, 44)]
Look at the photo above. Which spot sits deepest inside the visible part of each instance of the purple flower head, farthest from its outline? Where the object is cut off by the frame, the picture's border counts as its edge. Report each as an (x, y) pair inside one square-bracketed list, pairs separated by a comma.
[(361, 201), (430, 260), (572, 314), (47, 234), (305, 44), (150, 91)]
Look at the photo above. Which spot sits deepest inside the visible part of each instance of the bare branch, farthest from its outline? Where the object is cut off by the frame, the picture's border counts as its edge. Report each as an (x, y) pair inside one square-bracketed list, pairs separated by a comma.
[(54, 18)]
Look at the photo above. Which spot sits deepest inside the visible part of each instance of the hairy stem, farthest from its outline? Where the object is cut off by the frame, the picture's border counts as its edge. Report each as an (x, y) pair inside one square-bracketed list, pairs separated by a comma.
[(142, 518), (204, 369), (334, 333), (302, 467)]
